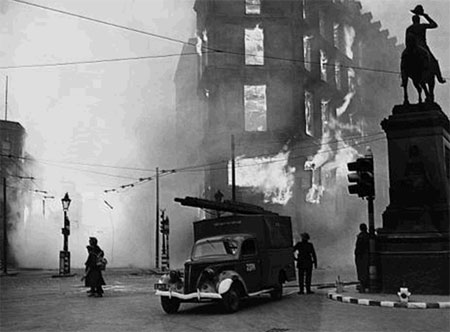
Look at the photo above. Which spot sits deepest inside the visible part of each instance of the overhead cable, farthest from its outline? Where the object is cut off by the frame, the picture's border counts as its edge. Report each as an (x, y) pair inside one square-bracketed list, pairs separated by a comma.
[(175, 40)]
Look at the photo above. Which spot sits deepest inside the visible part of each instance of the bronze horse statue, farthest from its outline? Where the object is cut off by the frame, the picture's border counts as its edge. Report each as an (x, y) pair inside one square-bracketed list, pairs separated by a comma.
[(417, 64)]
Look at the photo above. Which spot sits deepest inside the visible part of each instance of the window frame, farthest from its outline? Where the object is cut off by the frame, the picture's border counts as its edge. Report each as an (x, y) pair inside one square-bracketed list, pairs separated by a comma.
[(249, 58)]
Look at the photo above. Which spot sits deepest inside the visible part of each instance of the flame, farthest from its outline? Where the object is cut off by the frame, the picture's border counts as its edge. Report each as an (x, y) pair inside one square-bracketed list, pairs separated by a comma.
[(203, 39), (198, 46), (329, 158), (351, 93), (271, 176), (323, 155), (349, 38), (315, 194), (344, 153), (323, 65), (308, 113)]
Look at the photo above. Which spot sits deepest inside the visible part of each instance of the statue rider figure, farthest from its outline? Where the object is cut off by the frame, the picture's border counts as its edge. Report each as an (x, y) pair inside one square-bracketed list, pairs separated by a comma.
[(418, 30)]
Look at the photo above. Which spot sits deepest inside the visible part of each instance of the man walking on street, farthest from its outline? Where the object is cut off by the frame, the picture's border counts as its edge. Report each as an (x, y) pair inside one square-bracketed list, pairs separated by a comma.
[(306, 258)]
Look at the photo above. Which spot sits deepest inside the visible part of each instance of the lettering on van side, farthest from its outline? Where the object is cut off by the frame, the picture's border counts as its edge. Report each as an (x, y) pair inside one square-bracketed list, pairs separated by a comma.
[(249, 267)]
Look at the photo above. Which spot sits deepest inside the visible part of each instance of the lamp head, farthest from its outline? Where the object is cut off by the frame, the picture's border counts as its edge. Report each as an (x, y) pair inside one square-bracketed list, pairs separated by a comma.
[(66, 202)]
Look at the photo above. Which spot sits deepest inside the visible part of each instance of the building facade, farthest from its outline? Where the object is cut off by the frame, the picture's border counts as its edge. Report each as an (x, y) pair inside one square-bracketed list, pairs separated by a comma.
[(12, 140), (301, 86)]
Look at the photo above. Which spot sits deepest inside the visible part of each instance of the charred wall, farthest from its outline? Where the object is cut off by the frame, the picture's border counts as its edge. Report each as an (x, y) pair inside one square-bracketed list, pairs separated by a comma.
[(316, 68)]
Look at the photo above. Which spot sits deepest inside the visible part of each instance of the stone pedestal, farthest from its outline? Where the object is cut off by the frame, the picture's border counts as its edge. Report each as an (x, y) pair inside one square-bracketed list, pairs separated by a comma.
[(413, 245)]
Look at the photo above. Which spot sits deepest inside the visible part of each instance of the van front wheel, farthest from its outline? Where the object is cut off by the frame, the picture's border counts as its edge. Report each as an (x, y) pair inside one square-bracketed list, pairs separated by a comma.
[(231, 300), (170, 305)]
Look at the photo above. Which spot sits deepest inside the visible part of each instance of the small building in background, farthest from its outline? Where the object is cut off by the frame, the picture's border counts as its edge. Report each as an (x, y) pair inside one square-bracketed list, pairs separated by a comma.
[(12, 141)]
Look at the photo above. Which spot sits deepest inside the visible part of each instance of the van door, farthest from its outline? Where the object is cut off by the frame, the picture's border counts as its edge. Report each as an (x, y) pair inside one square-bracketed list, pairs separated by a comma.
[(251, 265)]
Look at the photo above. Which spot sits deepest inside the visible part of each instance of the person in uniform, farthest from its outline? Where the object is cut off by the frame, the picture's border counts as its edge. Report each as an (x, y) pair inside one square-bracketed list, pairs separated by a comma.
[(362, 257), (306, 258)]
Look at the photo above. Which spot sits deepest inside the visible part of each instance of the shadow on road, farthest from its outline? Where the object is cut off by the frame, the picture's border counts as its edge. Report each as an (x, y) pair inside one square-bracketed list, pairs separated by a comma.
[(216, 308)]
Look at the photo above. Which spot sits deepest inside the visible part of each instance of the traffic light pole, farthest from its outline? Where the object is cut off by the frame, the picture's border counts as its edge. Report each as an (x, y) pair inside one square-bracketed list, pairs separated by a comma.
[(5, 230), (157, 221), (373, 284), (364, 187), (165, 241), (233, 170), (371, 216)]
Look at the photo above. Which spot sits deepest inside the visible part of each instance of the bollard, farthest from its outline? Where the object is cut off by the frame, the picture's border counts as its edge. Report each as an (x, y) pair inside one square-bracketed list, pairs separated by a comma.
[(339, 285), (404, 294)]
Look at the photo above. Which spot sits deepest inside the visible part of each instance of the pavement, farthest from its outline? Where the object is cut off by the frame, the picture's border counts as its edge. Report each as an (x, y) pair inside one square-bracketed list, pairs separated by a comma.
[(35, 300), (323, 283), (350, 295)]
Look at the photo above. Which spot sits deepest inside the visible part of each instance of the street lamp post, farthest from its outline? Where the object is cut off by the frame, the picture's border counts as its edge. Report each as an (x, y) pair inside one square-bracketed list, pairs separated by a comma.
[(64, 255)]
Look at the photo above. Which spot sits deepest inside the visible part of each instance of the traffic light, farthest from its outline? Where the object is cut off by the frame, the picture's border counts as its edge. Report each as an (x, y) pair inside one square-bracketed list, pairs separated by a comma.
[(164, 223), (363, 177), (161, 226)]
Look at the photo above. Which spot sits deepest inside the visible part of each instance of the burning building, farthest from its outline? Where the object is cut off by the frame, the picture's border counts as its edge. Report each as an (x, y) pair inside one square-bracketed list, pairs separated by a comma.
[(301, 86)]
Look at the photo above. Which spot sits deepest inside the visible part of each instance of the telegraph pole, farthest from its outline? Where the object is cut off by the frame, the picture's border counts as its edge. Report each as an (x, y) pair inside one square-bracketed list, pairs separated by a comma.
[(157, 221), (6, 100), (233, 171), (373, 278), (5, 218), (5, 230)]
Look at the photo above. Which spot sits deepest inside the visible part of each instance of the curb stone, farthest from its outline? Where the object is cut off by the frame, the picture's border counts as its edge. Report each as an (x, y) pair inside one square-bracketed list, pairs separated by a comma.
[(389, 304)]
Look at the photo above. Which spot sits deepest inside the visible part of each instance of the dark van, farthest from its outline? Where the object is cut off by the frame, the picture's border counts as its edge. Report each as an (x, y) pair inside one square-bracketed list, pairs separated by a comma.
[(233, 258)]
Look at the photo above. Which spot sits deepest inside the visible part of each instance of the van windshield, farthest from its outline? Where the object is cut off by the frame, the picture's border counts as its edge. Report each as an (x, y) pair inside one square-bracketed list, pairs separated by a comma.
[(222, 247)]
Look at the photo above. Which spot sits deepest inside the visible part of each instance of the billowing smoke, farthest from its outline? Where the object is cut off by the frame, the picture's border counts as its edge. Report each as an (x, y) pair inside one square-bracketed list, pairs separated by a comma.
[(106, 114), (334, 152), (350, 94), (333, 155)]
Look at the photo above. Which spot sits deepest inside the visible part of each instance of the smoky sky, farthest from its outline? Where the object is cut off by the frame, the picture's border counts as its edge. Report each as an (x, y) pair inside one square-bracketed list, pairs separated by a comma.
[(120, 114)]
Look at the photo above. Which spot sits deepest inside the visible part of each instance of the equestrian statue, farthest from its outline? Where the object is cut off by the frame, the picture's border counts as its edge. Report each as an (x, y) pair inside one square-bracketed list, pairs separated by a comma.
[(417, 60)]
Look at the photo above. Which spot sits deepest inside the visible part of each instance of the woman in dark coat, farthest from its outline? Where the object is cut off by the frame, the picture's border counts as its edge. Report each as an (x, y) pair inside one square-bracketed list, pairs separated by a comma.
[(93, 277)]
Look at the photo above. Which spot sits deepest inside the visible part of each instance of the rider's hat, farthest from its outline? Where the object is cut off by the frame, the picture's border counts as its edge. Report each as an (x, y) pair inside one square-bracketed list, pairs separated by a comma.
[(418, 10)]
